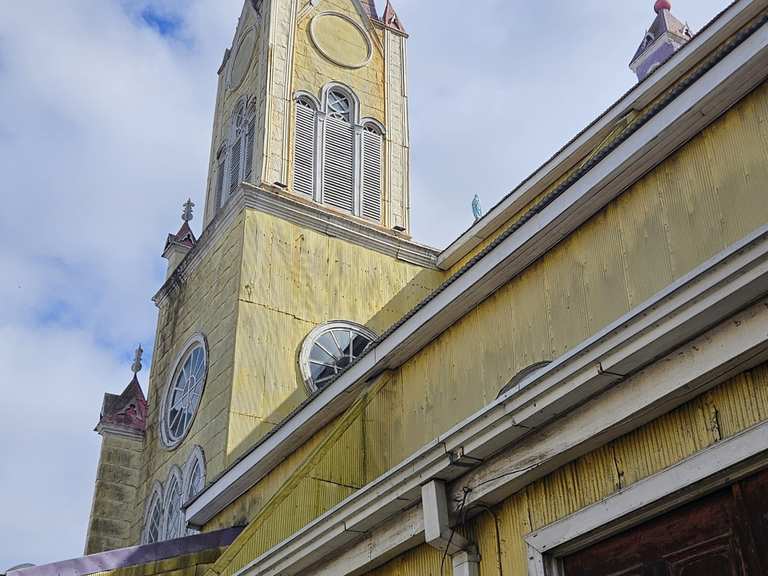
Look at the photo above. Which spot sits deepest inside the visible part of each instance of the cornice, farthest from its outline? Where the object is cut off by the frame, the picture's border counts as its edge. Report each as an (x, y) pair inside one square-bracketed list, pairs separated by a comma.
[(286, 206)]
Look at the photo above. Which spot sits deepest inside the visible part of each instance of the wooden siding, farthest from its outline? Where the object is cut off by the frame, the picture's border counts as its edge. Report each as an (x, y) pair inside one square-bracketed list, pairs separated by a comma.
[(294, 279), (721, 413), (708, 195)]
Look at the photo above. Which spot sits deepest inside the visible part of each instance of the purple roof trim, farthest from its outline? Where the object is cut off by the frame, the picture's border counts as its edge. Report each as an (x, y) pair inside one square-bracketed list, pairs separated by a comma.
[(134, 556)]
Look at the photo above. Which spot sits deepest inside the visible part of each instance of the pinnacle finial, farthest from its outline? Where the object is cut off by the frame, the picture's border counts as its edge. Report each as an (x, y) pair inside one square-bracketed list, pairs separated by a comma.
[(137, 360), (477, 209), (188, 214), (662, 5)]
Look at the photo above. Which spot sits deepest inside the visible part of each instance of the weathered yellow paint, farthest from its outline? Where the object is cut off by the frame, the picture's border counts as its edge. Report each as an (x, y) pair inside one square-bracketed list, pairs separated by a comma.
[(590, 279), (721, 413), (312, 71), (331, 471), (684, 212), (206, 303), (115, 498), (292, 280)]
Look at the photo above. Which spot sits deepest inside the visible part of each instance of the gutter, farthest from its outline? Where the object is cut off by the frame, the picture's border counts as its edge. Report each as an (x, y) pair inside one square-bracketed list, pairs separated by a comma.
[(729, 74), (418, 500), (722, 27)]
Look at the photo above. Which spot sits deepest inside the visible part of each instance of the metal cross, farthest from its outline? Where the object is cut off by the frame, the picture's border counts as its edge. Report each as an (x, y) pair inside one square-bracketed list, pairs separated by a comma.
[(188, 215)]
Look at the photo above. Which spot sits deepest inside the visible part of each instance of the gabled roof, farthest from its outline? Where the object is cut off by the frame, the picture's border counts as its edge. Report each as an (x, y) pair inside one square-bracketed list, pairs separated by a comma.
[(664, 23), (126, 412), (391, 19), (184, 237)]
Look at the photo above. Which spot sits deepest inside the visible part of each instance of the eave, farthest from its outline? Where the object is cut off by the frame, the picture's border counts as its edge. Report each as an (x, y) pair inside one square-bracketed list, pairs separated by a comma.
[(735, 17), (728, 75)]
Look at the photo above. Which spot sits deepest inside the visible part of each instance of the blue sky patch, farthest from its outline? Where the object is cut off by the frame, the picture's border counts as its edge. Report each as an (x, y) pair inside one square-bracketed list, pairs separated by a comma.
[(164, 24)]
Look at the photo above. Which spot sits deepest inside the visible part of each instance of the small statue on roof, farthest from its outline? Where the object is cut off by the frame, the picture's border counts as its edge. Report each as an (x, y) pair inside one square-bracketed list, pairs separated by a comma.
[(477, 209), (137, 360)]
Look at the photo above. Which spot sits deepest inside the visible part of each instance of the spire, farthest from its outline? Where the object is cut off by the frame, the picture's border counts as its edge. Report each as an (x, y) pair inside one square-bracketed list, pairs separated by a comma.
[(126, 414), (391, 19), (666, 36), (178, 245)]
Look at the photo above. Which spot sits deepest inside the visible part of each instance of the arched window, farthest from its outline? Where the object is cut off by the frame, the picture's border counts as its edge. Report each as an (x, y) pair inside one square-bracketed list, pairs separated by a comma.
[(337, 159), (329, 349), (173, 522), (153, 518), (305, 146), (235, 161), (184, 392), (339, 152), (194, 477), (372, 173)]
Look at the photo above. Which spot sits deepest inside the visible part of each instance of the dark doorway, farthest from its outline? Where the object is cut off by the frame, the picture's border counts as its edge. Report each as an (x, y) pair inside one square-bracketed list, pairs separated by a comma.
[(723, 534)]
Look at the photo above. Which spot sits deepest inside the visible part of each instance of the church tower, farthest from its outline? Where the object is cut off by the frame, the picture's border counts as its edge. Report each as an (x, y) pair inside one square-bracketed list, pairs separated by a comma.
[(305, 255), (666, 36), (312, 101)]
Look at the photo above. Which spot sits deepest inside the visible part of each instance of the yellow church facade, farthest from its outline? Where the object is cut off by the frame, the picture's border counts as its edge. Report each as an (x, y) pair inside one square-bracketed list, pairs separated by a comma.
[(576, 386)]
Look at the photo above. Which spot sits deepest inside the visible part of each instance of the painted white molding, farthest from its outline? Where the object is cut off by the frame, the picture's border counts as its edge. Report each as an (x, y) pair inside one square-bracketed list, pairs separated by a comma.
[(707, 471), (645, 342), (613, 355), (720, 29), (293, 209)]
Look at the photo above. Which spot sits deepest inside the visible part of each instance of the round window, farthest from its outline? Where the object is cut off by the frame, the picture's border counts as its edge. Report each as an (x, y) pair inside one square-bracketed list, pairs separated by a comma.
[(331, 348), (184, 391)]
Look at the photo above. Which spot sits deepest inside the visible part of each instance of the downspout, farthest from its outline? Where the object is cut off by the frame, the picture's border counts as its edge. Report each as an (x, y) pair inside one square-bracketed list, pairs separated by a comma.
[(439, 534)]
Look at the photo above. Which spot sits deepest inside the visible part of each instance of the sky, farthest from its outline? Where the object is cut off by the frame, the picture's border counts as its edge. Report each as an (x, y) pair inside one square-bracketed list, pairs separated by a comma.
[(105, 132)]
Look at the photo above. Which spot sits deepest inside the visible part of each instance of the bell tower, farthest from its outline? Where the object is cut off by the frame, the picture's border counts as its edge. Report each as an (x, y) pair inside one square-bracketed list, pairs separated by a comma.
[(312, 102), (305, 241)]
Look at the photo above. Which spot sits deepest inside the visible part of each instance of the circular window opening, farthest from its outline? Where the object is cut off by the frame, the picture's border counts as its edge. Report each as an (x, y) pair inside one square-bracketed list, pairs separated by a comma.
[(329, 349), (184, 392)]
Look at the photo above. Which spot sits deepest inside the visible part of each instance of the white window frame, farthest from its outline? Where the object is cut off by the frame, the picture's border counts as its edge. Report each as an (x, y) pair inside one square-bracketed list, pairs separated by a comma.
[(174, 477), (156, 498), (197, 340), (196, 457), (309, 342), (358, 126), (708, 471)]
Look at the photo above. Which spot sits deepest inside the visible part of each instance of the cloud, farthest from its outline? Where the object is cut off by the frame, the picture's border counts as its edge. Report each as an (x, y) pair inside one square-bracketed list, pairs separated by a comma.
[(107, 111)]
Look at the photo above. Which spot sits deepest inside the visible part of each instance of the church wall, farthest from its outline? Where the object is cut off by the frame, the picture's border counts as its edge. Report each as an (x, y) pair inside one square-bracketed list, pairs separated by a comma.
[(717, 415), (294, 279), (702, 199), (705, 197), (115, 496), (205, 302)]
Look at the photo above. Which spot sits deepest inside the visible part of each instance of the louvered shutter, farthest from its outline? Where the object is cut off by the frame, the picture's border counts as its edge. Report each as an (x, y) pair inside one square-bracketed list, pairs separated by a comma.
[(339, 184), (372, 175), (234, 165), (249, 141), (220, 184), (304, 151)]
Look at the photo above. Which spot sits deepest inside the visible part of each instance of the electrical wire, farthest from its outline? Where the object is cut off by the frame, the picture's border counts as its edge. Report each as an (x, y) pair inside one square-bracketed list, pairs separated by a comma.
[(453, 531)]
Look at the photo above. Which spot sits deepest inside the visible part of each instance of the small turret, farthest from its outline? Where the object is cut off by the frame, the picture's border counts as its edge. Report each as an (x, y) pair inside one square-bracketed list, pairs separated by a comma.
[(178, 245), (666, 36), (122, 426)]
